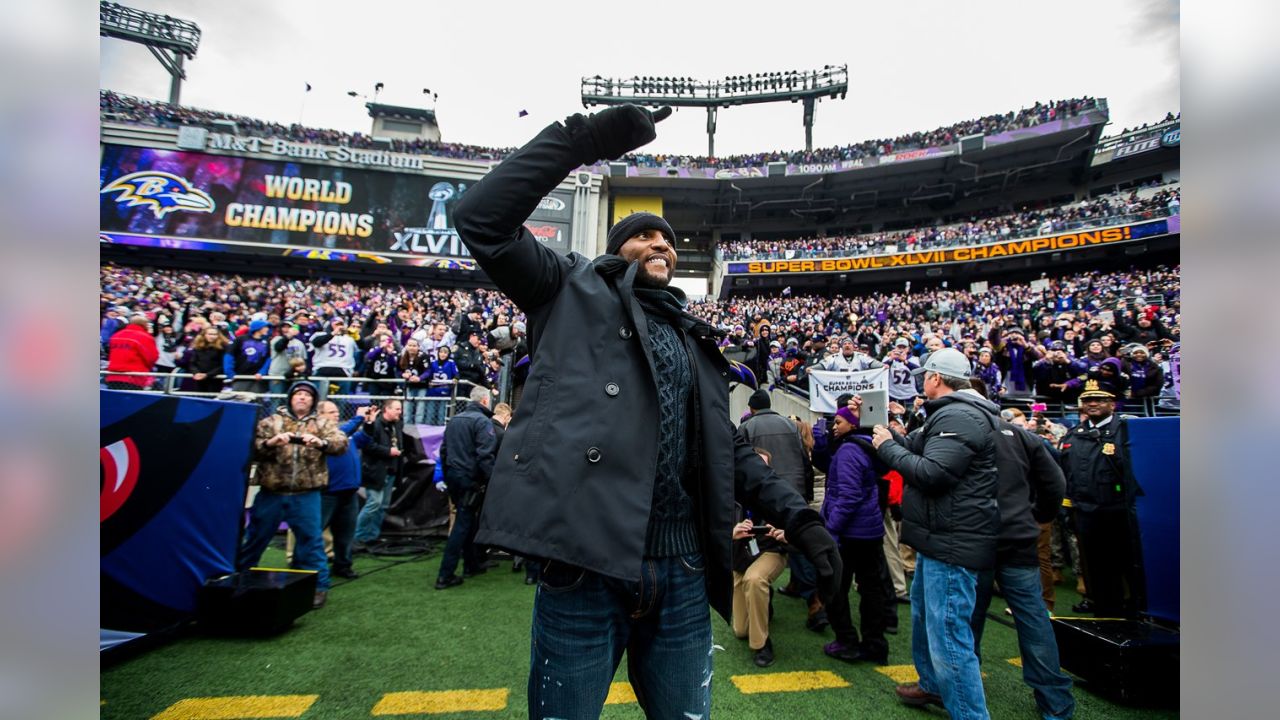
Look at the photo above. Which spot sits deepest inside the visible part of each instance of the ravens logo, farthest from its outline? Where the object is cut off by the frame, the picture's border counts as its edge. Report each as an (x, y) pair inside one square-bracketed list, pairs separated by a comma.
[(160, 191)]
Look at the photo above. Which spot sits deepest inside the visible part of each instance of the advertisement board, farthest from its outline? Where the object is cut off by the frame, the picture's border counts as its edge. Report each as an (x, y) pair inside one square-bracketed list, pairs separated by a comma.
[(241, 202), (965, 253)]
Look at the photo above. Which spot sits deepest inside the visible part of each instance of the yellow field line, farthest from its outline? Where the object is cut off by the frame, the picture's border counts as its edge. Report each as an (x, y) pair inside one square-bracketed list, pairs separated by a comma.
[(787, 682), (288, 570), (901, 674), (238, 707), (620, 694), (445, 701)]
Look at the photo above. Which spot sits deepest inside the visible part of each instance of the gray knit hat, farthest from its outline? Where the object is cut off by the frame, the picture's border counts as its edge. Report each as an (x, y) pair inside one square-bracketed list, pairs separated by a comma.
[(634, 223)]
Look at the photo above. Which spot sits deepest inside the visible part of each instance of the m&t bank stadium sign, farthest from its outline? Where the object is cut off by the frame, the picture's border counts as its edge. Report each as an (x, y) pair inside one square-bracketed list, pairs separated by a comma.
[(197, 138)]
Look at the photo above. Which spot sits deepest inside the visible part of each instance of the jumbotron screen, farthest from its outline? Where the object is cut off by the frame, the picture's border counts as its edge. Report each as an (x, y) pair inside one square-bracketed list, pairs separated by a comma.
[(228, 201)]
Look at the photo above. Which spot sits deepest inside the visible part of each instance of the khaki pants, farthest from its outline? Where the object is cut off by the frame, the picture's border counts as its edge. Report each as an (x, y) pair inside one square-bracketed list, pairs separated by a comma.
[(751, 598), (893, 555), (288, 545), (1044, 549)]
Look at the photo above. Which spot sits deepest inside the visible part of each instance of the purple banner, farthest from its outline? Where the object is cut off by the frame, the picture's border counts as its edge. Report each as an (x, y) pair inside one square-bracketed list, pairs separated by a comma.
[(699, 173), (309, 253), (1089, 117)]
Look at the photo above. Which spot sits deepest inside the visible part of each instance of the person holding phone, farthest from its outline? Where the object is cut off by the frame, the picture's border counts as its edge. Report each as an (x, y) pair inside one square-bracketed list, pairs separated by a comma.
[(759, 557), (290, 447)]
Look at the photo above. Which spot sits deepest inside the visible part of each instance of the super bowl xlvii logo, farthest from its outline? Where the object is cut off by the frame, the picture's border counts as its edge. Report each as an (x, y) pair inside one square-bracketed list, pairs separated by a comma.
[(160, 191), (438, 237)]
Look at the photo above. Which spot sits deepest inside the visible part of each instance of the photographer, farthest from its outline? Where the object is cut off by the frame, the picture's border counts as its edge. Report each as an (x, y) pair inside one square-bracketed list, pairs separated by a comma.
[(380, 464), (290, 447), (1015, 356), (759, 557)]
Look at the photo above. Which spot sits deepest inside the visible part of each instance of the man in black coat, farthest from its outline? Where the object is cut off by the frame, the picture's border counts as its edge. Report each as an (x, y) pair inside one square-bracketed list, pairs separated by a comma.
[(620, 469), (470, 441), (951, 517)]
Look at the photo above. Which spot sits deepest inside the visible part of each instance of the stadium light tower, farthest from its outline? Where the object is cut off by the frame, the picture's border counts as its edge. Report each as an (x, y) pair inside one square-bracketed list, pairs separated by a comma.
[(168, 38), (807, 87)]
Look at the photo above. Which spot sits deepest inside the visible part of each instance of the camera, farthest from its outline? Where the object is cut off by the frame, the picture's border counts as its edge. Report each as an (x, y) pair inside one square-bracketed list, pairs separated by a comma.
[(761, 530), (296, 440)]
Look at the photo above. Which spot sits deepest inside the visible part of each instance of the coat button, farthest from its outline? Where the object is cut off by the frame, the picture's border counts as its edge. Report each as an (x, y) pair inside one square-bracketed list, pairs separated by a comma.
[(593, 455), (612, 389), (624, 332), (516, 456)]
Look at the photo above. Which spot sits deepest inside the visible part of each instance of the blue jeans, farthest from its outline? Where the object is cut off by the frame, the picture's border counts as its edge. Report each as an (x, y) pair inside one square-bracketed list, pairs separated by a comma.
[(369, 522), (302, 512), (583, 621), (437, 409), (416, 412), (1036, 642), (461, 542), (942, 600), (804, 576), (338, 513), (277, 387)]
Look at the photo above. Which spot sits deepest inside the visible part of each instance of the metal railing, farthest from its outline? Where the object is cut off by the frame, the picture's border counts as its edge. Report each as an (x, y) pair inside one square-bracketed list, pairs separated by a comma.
[(423, 409), (1054, 409)]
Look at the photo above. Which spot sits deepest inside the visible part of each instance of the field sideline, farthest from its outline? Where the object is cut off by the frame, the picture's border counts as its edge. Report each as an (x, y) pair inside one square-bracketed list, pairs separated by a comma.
[(388, 645)]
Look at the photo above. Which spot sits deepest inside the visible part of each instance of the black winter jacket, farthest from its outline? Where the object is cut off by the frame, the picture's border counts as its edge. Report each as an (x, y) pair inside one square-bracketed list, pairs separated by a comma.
[(948, 467), (376, 462), (575, 479), (1094, 461), (781, 438), (1031, 486), (470, 442)]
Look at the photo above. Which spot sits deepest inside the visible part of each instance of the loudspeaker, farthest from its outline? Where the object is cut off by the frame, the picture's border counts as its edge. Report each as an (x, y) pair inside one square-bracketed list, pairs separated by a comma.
[(1129, 660), (255, 602)]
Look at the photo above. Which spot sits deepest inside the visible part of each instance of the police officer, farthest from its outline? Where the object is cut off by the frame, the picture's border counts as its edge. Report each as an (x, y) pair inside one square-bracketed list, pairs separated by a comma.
[(1102, 494)]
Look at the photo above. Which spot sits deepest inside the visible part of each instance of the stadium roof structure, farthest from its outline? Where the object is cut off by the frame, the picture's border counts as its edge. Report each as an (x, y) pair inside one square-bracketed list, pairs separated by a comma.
[(169, 39), (400, 111), (806, 87)]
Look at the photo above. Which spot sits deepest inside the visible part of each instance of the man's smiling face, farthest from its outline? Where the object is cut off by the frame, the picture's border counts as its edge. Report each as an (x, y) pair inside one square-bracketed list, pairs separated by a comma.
[(655, 254)]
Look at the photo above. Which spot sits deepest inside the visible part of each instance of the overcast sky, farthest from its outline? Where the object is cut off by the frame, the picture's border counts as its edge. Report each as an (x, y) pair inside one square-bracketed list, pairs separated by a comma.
[(912, 65)]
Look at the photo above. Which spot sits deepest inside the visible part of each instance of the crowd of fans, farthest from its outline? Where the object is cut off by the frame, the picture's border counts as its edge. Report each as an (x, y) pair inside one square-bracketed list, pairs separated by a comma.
[(1022, 340), (124, 108), (939, 137), (417, 341), (1025, 223), (414, 341), (1136, 130)]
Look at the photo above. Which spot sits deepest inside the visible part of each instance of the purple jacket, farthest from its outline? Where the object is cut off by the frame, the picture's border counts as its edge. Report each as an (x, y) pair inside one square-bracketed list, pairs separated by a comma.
[(851, 508)]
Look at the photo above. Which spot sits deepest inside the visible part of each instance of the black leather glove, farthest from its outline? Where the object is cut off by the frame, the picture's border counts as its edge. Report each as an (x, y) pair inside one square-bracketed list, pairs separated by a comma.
[(612, 133), (816, 543)]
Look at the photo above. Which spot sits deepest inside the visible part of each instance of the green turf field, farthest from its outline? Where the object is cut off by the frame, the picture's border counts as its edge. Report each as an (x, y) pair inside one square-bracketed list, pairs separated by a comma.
[(387, 641)]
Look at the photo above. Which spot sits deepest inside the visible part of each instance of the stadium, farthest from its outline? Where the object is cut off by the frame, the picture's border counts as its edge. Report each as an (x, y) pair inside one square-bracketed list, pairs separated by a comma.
[(240, 256)]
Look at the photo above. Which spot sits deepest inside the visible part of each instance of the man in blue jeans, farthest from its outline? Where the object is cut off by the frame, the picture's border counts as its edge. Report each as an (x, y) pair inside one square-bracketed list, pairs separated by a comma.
[(620, 469), (290, 447), (951, 517), (1031, 486), (379, 465)]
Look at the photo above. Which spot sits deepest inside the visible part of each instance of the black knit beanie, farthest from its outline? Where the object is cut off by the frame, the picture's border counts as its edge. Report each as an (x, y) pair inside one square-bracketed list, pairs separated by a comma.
[(634, 223)]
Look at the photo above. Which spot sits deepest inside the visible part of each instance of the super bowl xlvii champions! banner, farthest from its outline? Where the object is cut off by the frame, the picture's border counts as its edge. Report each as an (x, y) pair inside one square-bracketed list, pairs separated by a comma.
[(826, 386)]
